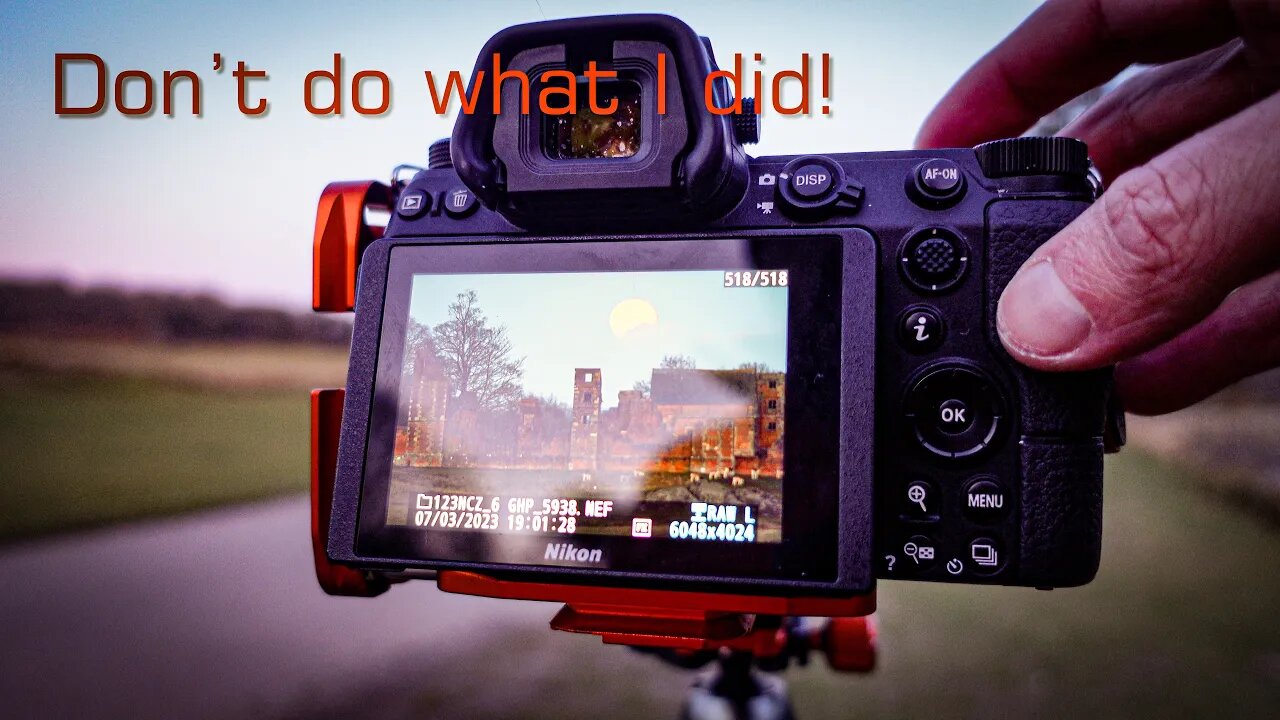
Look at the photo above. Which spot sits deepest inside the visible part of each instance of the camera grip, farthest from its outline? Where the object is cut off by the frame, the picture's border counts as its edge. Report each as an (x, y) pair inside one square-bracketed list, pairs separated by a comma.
[(1070, 405), (1061, 542), (1062, 416)]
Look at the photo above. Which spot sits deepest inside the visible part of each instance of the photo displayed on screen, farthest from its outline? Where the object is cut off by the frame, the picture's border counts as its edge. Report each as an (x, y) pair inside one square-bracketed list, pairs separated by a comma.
[(641, 404)]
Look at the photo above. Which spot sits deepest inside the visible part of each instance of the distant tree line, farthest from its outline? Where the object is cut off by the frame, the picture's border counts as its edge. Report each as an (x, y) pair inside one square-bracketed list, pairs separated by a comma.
[(52, 308)]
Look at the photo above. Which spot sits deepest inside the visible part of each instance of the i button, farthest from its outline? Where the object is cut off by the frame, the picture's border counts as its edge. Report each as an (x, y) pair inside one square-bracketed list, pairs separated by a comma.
[(921, 330)]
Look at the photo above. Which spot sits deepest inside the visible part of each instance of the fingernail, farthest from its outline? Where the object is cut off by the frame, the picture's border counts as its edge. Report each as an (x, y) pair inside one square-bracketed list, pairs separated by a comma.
[(1039, 316)]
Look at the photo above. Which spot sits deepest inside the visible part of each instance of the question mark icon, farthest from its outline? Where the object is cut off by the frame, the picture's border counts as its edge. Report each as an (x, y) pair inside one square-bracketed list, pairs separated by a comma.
[(892, 559)]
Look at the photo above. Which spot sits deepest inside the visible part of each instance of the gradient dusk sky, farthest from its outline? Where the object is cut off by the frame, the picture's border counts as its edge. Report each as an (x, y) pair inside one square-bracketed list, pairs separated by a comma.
[(693, 314), (226, 203)]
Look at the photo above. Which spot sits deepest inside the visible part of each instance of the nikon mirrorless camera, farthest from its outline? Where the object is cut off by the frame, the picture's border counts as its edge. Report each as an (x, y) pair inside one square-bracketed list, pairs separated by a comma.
[(614, 350)]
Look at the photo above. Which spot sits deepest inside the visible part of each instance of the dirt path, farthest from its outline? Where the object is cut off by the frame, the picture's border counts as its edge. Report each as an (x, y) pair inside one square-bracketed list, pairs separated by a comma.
[(211, 615)]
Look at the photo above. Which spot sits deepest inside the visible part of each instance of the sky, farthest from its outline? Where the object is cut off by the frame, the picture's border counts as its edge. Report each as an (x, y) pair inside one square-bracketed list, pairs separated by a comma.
[(225, 204), (623, 323)]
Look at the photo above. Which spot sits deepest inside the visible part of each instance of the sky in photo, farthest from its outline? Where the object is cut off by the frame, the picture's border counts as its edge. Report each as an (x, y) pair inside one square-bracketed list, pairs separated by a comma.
[(623, 323)]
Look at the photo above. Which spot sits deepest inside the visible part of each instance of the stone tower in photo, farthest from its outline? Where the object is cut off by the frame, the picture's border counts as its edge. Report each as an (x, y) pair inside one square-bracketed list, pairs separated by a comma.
[(428, 403), (584, 436)]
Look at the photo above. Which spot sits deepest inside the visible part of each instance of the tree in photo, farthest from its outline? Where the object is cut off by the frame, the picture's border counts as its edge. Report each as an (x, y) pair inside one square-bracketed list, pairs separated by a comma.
[(416, 337), (677, 362), (477, 356)]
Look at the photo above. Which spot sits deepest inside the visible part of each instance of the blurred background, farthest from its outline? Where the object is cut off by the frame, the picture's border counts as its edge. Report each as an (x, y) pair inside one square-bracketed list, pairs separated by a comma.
[(156, 351)]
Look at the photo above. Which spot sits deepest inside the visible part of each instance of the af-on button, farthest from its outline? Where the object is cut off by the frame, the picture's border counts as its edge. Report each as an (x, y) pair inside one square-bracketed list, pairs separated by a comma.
[(936, 183)]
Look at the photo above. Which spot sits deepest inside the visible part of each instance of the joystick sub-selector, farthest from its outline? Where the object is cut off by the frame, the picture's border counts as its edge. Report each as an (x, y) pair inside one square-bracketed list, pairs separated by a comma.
[(816, 186)]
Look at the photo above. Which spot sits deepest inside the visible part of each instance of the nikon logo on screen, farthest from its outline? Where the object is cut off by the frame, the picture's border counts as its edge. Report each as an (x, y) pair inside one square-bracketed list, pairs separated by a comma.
[(566, 551)]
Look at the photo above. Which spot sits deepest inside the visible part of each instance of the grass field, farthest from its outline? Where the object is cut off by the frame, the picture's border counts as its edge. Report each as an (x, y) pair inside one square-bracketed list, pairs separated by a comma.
[(211, 365), (82, 451)]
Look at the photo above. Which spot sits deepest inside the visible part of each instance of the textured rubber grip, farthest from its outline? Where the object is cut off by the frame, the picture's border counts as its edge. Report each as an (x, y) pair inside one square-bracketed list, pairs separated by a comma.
[(1062, 418)]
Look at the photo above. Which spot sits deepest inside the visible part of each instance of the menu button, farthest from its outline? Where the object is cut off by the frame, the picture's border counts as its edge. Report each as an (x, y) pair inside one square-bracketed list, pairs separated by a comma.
[(986, 500)]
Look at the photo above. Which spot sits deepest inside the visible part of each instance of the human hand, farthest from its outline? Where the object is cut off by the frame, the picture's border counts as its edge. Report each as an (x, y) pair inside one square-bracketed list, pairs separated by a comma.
[(1175, 272)]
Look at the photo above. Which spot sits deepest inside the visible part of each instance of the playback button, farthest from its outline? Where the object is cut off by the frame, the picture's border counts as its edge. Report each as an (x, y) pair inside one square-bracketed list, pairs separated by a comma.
[(413, 204)]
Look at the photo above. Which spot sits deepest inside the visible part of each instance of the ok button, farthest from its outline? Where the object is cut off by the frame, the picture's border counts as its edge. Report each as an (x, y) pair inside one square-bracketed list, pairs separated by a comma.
[(954, 416)]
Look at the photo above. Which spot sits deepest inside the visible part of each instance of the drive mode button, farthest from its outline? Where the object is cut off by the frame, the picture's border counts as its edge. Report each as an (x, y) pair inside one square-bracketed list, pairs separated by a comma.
[(985, 500)]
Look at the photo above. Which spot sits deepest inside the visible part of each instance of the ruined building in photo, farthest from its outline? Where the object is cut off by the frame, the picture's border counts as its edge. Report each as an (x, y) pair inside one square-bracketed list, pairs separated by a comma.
[(726, 422), (706, 422), (420, 441), (584, 437)]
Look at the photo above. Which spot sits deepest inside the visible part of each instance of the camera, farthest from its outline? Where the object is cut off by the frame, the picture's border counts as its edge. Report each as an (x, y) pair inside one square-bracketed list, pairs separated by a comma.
[(611, 352)]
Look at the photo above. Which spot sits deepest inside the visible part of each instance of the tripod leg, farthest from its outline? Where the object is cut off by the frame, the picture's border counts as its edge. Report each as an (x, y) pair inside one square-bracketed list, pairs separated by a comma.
[(732, 690)]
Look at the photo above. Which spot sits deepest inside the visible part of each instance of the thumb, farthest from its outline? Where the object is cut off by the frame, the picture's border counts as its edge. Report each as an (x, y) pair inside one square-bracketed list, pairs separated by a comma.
[(1158, 252)]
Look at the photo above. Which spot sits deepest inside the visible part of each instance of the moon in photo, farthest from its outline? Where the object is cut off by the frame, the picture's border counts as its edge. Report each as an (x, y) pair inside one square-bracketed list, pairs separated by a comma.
[(631, 314)]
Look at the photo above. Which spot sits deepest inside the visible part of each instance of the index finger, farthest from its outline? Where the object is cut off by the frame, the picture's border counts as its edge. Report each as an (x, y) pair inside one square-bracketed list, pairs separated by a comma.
[(1063, 49)]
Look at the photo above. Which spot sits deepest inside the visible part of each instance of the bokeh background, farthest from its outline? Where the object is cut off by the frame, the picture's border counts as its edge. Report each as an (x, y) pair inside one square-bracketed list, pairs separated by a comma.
[(156, 351)]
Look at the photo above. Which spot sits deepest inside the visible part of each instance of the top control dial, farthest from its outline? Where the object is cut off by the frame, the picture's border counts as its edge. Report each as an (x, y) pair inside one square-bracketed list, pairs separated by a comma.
[(1033, 156), (814, 185)]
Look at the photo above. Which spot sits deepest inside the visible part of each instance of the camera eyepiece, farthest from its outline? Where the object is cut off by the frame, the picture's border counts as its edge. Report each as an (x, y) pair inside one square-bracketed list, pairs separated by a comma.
[(600, 123)]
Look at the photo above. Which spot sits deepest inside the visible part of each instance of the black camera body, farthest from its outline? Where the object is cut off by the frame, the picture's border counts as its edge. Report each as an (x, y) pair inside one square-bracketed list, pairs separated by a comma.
[(832, 403)]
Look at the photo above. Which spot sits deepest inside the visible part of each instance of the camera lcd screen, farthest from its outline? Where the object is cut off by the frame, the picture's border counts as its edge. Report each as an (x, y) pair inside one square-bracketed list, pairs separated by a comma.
[(637, 415), (638, 404)]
